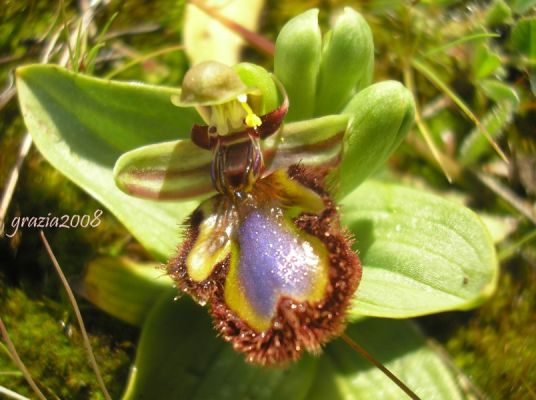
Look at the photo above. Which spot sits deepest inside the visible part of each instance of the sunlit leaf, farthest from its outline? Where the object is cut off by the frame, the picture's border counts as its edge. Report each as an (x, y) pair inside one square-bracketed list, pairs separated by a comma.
[(421, 254), (124, 288), (180, 357), (401, 347), (82, 125)]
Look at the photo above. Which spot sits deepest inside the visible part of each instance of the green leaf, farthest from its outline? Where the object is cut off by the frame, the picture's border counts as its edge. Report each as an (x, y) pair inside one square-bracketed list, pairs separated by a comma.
[(485, 62), (421, 254), (498, 13), (475, 146), (124, 288), (522, 6), (523, 38), (499, 91), (296, 63), (82, 125), (401, 347), (180, 357), (347, 58), (381, 116)]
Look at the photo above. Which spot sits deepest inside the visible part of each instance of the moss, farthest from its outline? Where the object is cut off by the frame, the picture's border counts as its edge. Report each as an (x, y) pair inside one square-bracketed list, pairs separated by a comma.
[(54, 354), (497, 347)]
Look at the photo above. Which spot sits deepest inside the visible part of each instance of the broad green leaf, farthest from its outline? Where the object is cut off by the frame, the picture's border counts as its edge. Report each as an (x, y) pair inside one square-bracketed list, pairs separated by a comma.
[(401, 347), (207, 39), (347, 58), (380, 117), (171, 170), (180, 357), (82, 125), (124, 288), (296, 63), (421, 254)]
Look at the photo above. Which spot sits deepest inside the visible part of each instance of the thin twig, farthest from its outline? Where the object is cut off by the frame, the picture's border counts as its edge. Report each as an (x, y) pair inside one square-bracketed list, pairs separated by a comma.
[(363, 353), (142, 58), (409, 80), (507, 194), (78, 315), (10, 394), (463, 380), (12, 179), (16, 359)]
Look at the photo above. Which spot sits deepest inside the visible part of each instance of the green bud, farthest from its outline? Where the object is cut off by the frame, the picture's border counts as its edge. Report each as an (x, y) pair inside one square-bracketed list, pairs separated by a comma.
[(347, 62), (296, 63), (381, 116)]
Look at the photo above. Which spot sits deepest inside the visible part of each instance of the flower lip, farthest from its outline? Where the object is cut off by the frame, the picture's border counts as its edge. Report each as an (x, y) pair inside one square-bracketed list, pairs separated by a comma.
[(211, 83)]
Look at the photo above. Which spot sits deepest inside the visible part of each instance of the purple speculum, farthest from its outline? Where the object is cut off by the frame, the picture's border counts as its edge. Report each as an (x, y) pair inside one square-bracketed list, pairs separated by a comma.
[(267, 253), (274, 261)]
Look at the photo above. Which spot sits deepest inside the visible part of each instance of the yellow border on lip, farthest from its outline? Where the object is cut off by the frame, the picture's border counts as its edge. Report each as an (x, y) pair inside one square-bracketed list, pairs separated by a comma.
[(235, 294)]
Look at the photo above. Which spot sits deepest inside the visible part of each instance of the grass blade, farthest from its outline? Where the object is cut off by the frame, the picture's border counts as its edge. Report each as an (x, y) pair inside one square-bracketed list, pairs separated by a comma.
[(78, 315), (436, 80)]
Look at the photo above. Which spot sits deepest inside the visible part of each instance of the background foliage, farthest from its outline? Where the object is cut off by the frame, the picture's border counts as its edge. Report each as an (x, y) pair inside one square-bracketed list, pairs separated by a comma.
[(462, 60)]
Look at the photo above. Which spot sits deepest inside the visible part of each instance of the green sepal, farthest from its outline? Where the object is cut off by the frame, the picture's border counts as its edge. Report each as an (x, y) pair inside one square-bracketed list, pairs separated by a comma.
[(347, 59), (381, 116), (296, 63)]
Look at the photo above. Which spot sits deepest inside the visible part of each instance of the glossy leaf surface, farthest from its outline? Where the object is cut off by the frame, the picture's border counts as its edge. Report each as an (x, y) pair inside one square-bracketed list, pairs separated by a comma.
[(343, 375), (421, 254), (82, 125), (180, 357)]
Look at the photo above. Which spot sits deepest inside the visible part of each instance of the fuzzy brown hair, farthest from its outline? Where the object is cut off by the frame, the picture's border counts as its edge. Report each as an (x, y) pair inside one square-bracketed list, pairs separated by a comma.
[(297, 326)]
